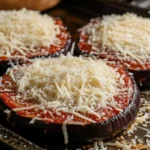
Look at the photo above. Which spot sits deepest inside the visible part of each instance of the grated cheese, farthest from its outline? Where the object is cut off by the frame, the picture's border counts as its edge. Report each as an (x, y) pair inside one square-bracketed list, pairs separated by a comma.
[(33, 119), (26, 30), (69, 84), (119, 145), (7, 111), (127, 35), (25, 108), (64, 130), (72, 48), (65, 133)]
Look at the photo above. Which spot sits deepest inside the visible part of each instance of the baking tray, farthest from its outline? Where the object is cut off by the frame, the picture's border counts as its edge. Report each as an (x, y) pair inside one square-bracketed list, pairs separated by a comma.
[(75, 14)]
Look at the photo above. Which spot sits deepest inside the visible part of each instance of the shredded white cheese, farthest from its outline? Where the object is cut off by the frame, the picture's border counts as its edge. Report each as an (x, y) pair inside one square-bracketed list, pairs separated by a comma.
[(128, 35), (130, 139), (25, 108), (25, 31), (7, 111), (119, 145), (65, 133), (70, 84)]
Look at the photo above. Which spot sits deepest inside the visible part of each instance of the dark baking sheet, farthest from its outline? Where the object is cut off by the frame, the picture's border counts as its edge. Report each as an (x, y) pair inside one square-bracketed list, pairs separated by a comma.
[(75, 14)]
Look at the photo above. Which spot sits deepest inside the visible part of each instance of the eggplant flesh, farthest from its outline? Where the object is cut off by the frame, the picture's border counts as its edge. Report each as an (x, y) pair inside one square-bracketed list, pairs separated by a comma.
[(80, 133), (4, 65)]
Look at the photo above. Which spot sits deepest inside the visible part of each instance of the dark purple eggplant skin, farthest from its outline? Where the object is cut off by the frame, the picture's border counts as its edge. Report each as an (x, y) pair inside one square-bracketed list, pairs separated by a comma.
[(4, 65), (142, 77), (82, 133)]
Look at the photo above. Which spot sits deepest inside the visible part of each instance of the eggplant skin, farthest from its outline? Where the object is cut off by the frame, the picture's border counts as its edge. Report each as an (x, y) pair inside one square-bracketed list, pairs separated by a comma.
[(82, 133), (4, 65), (142, 77)]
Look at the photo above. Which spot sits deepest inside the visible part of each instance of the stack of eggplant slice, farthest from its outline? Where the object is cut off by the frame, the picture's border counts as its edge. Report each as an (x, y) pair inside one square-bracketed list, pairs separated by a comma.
[(76, 98)]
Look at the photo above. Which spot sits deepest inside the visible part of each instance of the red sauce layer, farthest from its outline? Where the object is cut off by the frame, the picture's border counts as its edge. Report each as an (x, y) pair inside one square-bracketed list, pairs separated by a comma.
[(8, 97), (109, 53), (63, 37)]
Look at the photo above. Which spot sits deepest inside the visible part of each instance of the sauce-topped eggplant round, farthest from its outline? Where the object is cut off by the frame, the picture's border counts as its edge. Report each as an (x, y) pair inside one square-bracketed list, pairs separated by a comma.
[(29, 34), (124, 39), (92, 99)]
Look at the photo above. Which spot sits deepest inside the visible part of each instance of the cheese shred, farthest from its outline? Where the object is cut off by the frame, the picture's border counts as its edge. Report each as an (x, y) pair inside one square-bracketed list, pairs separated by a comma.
[(74, 85), (127, 35), (25, 31)]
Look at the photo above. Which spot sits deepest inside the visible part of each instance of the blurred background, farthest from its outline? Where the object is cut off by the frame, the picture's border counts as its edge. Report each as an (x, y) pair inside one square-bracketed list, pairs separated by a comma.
[(47, 4), (138, 3), (30, 4)]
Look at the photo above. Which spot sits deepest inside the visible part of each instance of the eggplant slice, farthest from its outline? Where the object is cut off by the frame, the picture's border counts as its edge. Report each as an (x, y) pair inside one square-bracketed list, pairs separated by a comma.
[(141, 74), (79, 133)]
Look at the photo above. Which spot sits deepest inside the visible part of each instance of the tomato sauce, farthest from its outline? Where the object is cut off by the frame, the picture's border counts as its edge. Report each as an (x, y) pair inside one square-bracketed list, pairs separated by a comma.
[(63, 37), (110, 54), (123, 99)]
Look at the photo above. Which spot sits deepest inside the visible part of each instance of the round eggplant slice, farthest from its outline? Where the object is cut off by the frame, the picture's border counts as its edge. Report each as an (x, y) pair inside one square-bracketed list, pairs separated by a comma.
[(42, 41), (79, 131), (88, 45)]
